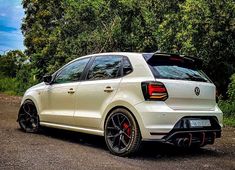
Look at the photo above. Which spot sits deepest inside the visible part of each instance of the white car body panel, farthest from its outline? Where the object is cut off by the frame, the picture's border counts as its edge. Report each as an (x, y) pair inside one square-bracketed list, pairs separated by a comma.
[(55, 109), (92, 100)]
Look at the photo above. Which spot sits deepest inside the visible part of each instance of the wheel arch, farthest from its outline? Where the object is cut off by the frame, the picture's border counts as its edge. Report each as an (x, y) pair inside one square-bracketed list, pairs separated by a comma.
[(128, 107), (30, 98)]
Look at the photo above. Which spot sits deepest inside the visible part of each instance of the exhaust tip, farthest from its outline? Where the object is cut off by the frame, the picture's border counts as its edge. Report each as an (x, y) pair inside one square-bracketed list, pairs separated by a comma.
[(183, 142)]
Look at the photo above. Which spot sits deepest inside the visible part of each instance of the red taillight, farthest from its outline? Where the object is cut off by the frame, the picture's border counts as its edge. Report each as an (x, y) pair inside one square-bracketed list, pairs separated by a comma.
[(154, 91)]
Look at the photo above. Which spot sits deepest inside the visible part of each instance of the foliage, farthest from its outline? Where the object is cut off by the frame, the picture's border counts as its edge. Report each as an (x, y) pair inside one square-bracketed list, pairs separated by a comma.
[(17, 85), (15, 73), (228, 106), (41, 33), (231, 89), (77, 28), (11, 63), (8, 85), (25, 79), (229, 121), (205, 29), (58, 31)]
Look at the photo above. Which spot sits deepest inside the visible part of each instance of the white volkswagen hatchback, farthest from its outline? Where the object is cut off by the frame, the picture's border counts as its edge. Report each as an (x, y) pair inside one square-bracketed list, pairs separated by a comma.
[(127, 98)]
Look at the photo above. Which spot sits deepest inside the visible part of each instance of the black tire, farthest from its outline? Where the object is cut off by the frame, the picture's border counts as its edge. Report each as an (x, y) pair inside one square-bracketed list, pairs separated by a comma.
[(122, 134), (28, 118)]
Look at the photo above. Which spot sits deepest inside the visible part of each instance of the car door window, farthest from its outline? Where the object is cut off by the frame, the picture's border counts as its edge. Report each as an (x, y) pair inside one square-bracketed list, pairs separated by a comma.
[(105, 67), (72, 72)]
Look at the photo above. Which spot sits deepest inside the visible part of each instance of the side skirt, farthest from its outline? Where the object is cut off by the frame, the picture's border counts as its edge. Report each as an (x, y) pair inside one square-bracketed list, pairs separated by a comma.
[(73, 128)]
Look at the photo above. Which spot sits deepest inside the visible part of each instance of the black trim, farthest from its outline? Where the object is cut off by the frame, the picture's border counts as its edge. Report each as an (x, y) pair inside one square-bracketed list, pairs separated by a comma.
[(87, 68), (125, 57), (201, 135), (171, 135), (148, 56), (120, 70), (183, 124)]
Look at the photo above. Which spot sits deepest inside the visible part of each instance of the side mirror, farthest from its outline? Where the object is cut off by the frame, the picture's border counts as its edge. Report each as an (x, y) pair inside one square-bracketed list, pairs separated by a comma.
[(47, 79)]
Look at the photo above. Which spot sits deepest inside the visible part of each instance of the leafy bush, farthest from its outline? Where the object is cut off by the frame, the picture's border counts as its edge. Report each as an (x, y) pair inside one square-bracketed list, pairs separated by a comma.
[(24, 79), (228, 106), (231, 89), (229, 121), (8, 85), (19, 84)]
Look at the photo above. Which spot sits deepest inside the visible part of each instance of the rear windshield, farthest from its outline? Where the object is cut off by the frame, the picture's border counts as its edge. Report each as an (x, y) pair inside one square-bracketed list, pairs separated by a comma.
[(175, 67)]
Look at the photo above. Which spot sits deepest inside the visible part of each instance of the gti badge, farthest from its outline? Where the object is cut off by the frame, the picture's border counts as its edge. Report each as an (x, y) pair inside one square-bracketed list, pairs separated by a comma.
[(197, 91)]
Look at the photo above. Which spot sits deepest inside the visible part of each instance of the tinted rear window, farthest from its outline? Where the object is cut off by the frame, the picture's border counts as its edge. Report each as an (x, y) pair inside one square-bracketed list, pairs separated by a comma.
[(175, 67)]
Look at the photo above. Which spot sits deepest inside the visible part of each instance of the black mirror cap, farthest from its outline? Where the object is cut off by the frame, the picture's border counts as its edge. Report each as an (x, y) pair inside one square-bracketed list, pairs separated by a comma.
[(47, 79)]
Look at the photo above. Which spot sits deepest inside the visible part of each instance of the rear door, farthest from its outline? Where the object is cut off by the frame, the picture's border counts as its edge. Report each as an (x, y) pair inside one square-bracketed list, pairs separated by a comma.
[(97, 90), (187, 86)]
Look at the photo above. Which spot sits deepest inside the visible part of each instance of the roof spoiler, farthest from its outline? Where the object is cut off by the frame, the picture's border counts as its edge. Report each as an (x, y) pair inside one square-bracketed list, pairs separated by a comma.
[(196, 61)]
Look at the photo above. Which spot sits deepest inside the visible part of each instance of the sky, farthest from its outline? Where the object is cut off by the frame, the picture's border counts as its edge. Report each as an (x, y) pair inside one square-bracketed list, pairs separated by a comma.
[(11, 14)]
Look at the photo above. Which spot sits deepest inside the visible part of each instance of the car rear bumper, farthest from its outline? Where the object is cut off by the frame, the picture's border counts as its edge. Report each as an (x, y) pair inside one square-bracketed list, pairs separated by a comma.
[(183, 134), (159, 122)]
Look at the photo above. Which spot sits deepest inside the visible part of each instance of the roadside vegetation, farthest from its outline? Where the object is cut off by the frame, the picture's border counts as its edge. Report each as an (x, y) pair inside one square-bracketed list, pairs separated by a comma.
[(228, 106), (58, 31)]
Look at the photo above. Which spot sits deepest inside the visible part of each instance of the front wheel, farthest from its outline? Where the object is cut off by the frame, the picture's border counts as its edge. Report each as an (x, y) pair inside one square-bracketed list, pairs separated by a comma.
[(28, 118), (122, 134)]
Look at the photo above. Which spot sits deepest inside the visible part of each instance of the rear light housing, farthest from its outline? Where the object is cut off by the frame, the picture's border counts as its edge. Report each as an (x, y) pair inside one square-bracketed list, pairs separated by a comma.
[(153, 90)]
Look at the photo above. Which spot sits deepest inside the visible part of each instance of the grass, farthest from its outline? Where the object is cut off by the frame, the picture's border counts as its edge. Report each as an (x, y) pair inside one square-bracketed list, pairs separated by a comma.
[(229, 121)]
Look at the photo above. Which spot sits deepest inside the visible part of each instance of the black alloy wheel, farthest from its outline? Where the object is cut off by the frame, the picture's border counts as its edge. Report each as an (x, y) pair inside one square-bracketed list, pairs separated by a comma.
[(122, 134), (28, 118)]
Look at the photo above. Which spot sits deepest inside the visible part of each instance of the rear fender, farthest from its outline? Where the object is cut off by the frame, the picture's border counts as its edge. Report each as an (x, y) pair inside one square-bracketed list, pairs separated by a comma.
[(126, 105)]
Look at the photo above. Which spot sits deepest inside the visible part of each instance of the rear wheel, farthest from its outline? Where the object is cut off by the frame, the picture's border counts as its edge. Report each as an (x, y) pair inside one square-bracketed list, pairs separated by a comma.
[(122, 134), (28, 118)]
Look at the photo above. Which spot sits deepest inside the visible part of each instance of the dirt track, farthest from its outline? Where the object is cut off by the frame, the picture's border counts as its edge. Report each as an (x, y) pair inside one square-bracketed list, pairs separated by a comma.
[(56, 149)]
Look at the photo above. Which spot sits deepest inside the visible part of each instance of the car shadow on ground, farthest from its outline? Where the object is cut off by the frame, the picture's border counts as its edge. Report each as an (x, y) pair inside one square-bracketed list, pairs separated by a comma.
[(148, 150)]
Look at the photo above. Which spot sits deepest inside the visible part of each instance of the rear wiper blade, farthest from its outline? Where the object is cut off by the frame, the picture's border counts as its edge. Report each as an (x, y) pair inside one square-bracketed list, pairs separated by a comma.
[(196, 77)]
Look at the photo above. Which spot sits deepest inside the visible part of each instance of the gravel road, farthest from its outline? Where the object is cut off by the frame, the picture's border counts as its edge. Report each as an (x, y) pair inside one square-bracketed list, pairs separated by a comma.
[(57, 149)]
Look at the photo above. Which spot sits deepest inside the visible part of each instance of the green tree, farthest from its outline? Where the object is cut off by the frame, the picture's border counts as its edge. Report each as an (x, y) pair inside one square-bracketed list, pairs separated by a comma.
[(40, 29), (205, 29), (58, 31), (11, 63)]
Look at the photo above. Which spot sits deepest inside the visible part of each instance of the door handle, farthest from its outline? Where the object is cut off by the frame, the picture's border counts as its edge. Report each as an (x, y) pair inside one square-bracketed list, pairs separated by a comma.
[(108, 89), (71, 91)]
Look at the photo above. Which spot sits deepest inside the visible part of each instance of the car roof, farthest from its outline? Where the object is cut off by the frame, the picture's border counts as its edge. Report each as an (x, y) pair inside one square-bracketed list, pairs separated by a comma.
[(115, 53), (145, 55)]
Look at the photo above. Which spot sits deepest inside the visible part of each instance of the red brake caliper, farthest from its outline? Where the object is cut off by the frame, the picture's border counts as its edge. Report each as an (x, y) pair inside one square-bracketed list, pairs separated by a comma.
[(128, 129)]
